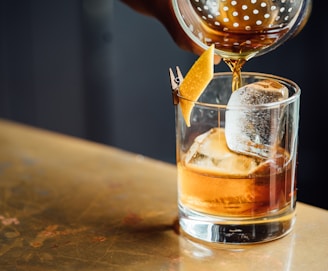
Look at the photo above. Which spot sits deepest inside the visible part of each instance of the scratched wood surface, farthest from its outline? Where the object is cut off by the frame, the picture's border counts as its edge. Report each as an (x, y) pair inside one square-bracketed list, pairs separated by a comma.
[(69, 204)]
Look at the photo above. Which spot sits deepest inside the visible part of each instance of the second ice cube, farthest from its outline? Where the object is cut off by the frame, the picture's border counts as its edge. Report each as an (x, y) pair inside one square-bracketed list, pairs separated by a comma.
[(255, 130)]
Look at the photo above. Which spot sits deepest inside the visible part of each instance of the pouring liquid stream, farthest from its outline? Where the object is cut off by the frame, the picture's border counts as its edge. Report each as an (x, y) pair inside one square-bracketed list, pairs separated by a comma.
[(235, 66)]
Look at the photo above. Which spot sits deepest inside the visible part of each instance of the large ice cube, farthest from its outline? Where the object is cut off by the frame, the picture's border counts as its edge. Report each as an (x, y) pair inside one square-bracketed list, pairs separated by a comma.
[(210, 151), (255, 130)]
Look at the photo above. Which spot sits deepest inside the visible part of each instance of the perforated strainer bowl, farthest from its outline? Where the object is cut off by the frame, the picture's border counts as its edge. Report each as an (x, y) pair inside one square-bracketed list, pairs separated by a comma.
[(241, 28)]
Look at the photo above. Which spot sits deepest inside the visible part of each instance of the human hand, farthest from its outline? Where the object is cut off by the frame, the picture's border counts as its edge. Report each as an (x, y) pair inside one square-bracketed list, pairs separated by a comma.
[(162, 10)]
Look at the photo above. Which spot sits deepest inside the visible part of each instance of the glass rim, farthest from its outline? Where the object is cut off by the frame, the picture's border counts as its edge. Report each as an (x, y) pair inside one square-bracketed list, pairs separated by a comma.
[(179, 16), (280, 79)]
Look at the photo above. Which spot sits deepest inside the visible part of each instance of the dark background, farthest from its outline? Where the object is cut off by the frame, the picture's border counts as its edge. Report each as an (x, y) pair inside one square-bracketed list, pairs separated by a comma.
[(95, 69)]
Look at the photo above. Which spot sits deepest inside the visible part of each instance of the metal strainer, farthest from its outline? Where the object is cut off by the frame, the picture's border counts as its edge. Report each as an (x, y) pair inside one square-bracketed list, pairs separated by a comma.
[(247, 15), (243, 28)]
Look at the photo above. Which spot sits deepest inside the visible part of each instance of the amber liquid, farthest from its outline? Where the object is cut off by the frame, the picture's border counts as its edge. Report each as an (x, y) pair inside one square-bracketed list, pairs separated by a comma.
[(240, 31), (267, 189)]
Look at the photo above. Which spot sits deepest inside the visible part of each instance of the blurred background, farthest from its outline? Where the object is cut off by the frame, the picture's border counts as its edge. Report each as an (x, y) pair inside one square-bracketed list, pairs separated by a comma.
[(97, 70)]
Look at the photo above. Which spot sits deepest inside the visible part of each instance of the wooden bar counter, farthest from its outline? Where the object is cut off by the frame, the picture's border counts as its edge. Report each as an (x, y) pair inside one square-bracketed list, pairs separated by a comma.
[(70, 204)]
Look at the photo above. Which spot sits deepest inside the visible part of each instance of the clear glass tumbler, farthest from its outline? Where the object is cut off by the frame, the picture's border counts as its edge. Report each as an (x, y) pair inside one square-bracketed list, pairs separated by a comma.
[(242, 192)]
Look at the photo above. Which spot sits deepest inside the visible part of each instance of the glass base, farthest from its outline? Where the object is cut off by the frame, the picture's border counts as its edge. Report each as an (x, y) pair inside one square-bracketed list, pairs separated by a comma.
[(235, 231)]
